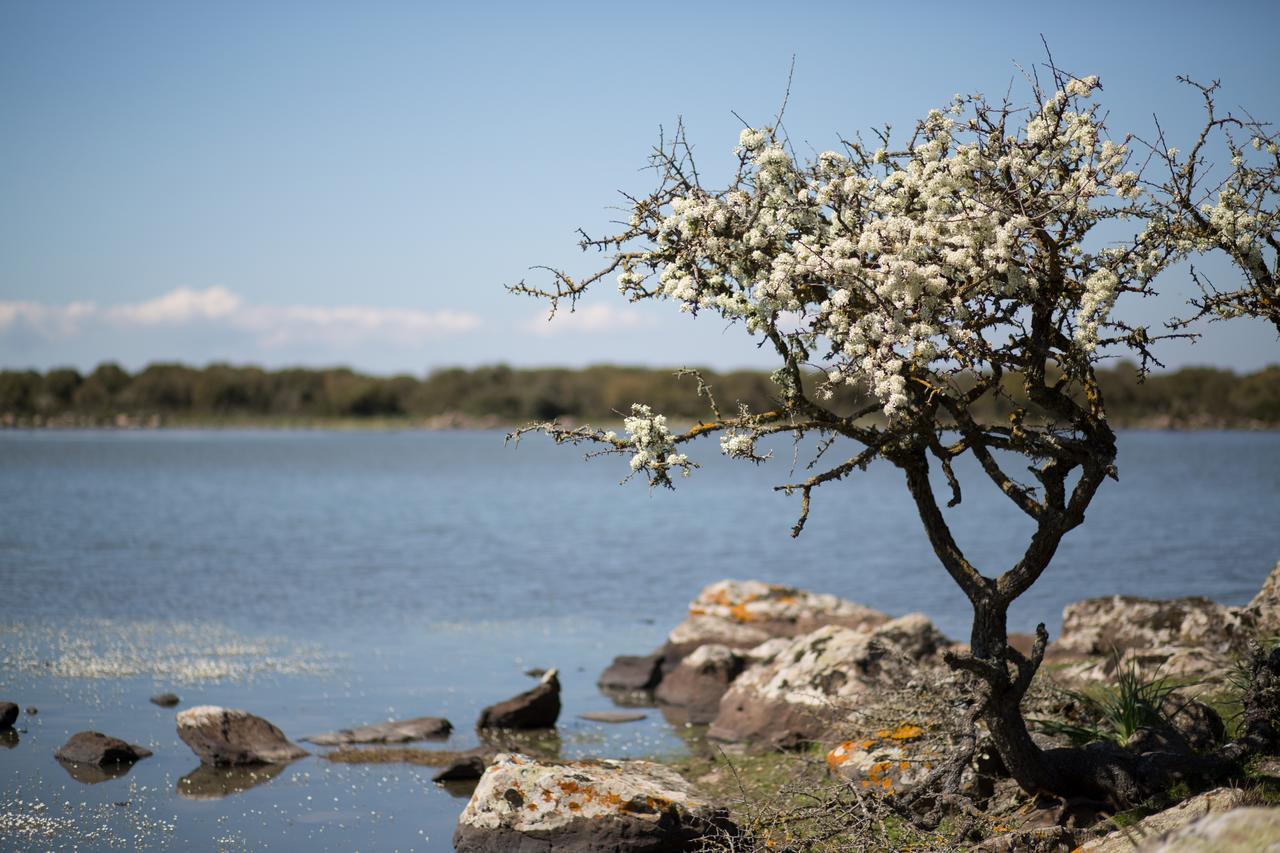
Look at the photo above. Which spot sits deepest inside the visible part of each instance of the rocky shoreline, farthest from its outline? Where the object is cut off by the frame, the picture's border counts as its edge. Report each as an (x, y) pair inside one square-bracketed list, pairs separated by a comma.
[(793, 694)]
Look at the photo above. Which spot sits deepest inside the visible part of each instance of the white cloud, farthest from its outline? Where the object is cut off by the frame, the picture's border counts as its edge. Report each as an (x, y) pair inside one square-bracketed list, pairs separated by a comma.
[(593, 319), (270, 326)]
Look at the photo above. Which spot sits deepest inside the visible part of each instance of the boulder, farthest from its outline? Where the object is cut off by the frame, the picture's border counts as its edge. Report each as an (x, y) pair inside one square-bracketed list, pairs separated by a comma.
[(466, 768), (632, 673), (8, 714), (1099, 626), (691, 692), (742, 614), (1243, 830), (522, 804), (538, 708), (895, 760), (798, 693), (165, 700), (1264, 610), (99, 750), (1153, 827), (228, 737), (396, 731), (1189, 663)]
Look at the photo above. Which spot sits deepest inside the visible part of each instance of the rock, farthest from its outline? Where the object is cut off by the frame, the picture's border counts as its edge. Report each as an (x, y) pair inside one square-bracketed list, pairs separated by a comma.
[(32, 710), (742, 614), (612, 716), (1153, 827), (396, 731), (691, 692), (1097, 626), (1198, 724), (525, 805), (631, 672), (1244, 830), (1042, 839), (99, 750), (892, 760), (534, 709), (464, 769), (228, 737), (797, 695), (1264, 610), (8, 714), (165, 700), (1205, 667)]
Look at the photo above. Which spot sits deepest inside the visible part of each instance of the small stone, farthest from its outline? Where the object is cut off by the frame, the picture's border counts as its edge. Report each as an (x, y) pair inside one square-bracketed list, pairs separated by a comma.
[(165, 700), (396, 731), (99, 750), (8, 714), (32, 710), (228, 736), (538, 708), (612, 716), (464, 769)]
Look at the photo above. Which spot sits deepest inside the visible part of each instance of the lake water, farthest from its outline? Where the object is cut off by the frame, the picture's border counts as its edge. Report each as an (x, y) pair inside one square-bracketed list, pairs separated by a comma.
[(324, 580)]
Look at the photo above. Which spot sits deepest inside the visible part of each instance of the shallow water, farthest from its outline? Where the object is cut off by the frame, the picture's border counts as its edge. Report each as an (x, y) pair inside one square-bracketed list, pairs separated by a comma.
[(328, 579)]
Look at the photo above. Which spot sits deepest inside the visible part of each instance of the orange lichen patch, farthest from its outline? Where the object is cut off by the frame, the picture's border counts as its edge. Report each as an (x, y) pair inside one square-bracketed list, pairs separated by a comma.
[(546, 797), (609, 798), (887, 784), (569, 786), (840, 754), (658, 804), (575, 807), (906, 732), (697, 611), (787, 599), (903, 765), (531, 807), (741, 613)]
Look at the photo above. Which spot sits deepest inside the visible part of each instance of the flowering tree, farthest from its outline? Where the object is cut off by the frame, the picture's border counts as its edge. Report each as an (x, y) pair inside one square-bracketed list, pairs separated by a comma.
[(962, 264)]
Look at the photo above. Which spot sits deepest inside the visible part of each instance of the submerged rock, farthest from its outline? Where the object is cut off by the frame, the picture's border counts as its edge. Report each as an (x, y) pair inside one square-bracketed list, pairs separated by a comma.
[(691, 692), (165, 700), (396, 731), (227, 736), (581, 806), (465, 768), (8, 714), (797, 694), (538, 708), (99, 750), (612, 716)]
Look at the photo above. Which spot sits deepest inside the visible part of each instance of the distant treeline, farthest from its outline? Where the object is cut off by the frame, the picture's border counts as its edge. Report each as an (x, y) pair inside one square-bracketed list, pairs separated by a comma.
[(220, 393)]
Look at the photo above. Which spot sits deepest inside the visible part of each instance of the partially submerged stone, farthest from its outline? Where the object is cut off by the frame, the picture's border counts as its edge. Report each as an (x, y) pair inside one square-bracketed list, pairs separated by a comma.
[(8, 714), (229, 736), (612, 716), (538, 708), (691, 692), (165, 700), (395, 731), (624, 806), (468, 767), (99, 750), (800, 691), (632, 673)]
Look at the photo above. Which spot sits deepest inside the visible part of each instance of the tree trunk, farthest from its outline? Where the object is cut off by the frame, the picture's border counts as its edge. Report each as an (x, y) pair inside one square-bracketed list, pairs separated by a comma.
[(989, 642)]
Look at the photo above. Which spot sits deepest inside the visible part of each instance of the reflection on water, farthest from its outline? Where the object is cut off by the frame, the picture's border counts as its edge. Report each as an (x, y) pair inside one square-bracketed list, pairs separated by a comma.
[(214, 783), (92, 774), (9, 737)]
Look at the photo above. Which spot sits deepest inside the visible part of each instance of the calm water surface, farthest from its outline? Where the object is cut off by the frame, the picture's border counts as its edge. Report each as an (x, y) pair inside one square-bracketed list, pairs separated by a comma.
[(327, 579)]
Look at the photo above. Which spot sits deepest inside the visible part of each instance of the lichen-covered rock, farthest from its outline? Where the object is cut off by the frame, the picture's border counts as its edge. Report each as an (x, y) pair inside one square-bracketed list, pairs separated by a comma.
[(99, 750), (228, 736), (742, 614), (1204, 666), (538, 708), (799, 692), (893, 760), (395, 731), (523, 804), (1245, 830), (1264, 610), (691, 692), (1152, 828), (1097, 626), (1041, 839)]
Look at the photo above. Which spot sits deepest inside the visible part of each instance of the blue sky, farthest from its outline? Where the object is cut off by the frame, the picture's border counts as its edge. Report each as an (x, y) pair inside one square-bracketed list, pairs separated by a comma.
[(321, 183)]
